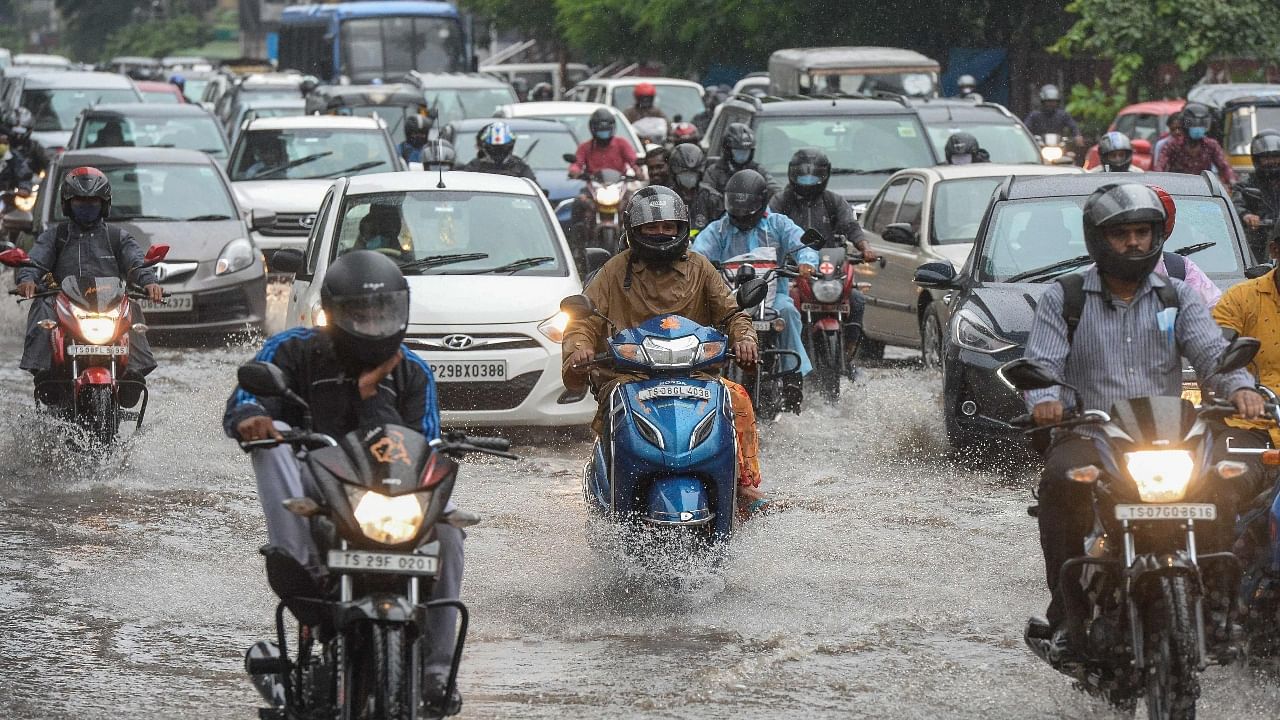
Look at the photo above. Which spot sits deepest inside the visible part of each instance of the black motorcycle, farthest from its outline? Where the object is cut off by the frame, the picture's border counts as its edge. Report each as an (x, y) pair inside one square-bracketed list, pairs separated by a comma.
[(361, 644), (1139, 589)]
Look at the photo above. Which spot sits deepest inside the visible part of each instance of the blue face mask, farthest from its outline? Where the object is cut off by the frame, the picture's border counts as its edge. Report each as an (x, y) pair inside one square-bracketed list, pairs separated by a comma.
[(86, 214), (603, 134), (808, 180), (1197, 133), (741, 157)]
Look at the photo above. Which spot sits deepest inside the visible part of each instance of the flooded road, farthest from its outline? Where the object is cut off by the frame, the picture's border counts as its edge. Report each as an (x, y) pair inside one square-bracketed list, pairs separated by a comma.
[(895, 586)]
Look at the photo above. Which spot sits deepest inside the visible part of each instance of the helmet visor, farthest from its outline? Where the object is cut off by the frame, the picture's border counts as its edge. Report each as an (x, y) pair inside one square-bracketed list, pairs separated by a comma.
[(371, 317)]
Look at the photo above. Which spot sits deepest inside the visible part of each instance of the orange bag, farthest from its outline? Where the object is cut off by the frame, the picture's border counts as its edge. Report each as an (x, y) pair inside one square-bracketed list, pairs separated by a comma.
[(744, 425)]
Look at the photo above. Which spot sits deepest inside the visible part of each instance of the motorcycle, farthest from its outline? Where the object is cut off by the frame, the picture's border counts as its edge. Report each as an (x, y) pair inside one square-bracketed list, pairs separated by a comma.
[(600, 224), (1138, 590), (90, 347), (651, 130), (668, 454), (15, 214), (382, 492), (1055, 150)]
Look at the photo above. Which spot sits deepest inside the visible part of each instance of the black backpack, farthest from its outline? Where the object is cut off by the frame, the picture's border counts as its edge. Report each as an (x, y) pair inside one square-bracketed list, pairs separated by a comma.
[(1073, 292)]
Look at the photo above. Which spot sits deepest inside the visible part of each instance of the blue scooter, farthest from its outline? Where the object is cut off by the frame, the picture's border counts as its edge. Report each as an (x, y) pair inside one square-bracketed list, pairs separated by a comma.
[(668, 455)]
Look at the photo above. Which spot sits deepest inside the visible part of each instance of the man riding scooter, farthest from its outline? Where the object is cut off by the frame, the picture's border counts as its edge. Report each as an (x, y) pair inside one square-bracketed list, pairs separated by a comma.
[(1193, 151), (1115, 154), (1257, 199), (417, 131), (746, 226), (737, 152), (685, 169), (495, 153), (644, 95)]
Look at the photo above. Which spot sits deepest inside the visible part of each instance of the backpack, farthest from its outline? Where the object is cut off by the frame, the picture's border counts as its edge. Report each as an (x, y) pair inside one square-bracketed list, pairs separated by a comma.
[(1073, 292)]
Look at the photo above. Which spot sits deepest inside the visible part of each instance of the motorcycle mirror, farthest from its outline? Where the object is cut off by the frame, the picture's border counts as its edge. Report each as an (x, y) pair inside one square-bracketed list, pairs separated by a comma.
[(745, 272), (751, 293), (569, 158), (14, 257), (263, 379), (1257, 271), (1238, 355), (1023, 374), (577, 306), (155, 254), (812, 238), (1252, 193)]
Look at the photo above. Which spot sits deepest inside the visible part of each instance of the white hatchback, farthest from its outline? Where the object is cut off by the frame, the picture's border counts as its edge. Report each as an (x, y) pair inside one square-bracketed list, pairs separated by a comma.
[(487, 265)]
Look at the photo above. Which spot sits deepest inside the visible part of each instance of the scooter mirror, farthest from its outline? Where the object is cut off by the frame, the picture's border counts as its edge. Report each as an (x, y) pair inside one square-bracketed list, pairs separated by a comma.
[(1252, 193), (569, 158), (155, 254), (1023, 374), (1238, 355), (14, 257), (577, 306), (751, 293), (262, 379)]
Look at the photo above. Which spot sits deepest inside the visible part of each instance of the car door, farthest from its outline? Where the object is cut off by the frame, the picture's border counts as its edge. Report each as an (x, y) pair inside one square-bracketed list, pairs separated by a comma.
[(883, 210), (898, 293), (303, 295)]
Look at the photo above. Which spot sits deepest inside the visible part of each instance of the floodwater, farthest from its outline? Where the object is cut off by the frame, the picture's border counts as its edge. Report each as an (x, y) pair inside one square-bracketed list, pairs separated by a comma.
[(895, 585)]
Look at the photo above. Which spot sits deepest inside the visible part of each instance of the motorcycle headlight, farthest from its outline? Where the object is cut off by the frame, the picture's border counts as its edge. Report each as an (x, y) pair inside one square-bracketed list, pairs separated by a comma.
[(827, 291), (318, 318), (25, 204), (237, 255), (554, 326), (608, 196), (1051, 153), (97, 328), (677, 352), (385, 519), (973, 333), (1161, 475)]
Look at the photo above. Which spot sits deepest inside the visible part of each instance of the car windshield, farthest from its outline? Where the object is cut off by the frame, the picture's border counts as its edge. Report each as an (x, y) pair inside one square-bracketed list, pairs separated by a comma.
[(1004, 142), (578, 123), (870, 143), (165, 192), (547, 154), (392, 115), (454, 104), (421, 225), (958, 207), (310, 154), (194, 89), (917, 84), (1029, 234), (672, 100), (160, 97), (254, 93), (1243, 129), (53, 110), (198, 132)]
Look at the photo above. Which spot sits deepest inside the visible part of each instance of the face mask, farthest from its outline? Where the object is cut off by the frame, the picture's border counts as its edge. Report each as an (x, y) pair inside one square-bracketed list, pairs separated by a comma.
[(4, 149), (808, 180), (687, 179), (602, 134), (964, 159), (85, 214), (745, 222), (1197, 133), (741, 157)]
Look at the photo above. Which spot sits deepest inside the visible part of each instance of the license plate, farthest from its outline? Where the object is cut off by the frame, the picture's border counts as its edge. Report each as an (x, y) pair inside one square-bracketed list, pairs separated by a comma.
[(173, 303), (374, 562), (815, 307), (1174, 511), (762, 325), (666, 391), (97, 350), (470, 371)]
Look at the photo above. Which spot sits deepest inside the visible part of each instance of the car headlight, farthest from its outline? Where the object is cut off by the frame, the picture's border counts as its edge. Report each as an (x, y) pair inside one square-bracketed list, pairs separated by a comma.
[(1051, 153), (972, 333), (554, 326), (827, 291), (237, 255), (1161, 475), (385, 519), (98, 328), (677, 352)]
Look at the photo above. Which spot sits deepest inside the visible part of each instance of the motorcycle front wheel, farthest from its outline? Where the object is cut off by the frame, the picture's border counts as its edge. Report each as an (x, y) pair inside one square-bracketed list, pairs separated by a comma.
[(828, 364), (98, 413), (1169, 645)]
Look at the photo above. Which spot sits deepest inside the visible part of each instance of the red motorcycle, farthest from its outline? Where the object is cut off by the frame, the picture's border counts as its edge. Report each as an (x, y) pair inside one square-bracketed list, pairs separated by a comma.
[(90, 347), (824, 303)]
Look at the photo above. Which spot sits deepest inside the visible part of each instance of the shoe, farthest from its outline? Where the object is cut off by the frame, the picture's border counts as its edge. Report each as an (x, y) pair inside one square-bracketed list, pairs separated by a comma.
[(265, 655), (130, 389), (792, 394), (434, 700)]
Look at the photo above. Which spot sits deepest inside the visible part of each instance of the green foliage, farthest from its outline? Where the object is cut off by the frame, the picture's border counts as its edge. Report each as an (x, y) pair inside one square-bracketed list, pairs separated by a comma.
[(159, 37), (1094, 106), (90, 22)]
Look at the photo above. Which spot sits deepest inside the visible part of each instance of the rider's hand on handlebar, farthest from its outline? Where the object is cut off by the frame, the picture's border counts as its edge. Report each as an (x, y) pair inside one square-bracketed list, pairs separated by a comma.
[(258, 427), (1047, 412), (1248, 402), (868, 254), (27, 289), (746, 353), (579, 359), (155, 293), (1252, 221), (806, 270), (369, 379)]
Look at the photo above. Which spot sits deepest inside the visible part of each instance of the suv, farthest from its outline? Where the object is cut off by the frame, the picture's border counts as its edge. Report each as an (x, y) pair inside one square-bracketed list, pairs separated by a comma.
[(56, 98), (1002, 135), (866, 139), (461, 96), (675, 97)]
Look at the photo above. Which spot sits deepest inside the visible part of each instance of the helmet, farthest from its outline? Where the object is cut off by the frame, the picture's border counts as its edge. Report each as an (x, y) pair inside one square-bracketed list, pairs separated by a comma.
[(366, 305), (180, 81), (1115, 142), (602, 124), (966, 81), (19, 121), (808, 172), (1265, 150), (438, 155), (685, 165), (739, 144), (1049, 93), (961, 149), (497, 141), (655, 204), (1196, 119), (644, 93), (745, 197), (684, 132), (417, 126), (542, 91), (1118, 204), (86, 182)]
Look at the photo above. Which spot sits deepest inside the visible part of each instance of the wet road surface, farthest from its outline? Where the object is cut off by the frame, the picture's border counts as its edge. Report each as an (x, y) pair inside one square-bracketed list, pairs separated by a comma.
[(895, 586)]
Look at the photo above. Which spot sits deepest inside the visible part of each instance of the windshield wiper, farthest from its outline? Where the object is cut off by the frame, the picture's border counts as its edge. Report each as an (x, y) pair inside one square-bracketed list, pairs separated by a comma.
[(438, 260), (213, 216), (1185, 251), (854, 171), (353, 168), (289, 166), (1050, 271), (513, 267), (143, 217)]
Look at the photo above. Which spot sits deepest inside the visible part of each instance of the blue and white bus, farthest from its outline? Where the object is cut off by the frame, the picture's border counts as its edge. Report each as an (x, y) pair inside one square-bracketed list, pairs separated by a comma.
[(377, 40)]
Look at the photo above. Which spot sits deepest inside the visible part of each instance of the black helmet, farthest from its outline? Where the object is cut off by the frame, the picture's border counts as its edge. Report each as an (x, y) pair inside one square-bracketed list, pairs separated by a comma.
[(745, 198), (497, 141), (602, 124), (656, 204), (438, 155), (365, 299), (19, 121), (542, 91), (739, 144), (1265, 150), (1119, 204), (685, 165), (419, 127), (1115, 142), (1049, 93), (808, 172), (1196, 115), (961, 149), (86, 182)]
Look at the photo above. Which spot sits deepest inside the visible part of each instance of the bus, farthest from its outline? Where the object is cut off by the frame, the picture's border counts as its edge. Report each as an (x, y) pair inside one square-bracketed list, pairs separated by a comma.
[(373, 41)]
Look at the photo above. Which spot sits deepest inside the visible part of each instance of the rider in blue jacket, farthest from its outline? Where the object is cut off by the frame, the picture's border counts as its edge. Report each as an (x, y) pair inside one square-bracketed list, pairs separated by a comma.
[(748, 225)]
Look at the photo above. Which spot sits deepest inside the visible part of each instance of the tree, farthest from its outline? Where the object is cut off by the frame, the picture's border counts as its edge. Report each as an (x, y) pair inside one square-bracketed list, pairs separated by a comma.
[(90, 22), (159, 37)]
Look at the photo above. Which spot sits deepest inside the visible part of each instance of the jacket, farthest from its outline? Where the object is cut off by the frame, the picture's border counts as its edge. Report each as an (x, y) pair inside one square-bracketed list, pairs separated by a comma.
[(827, 213), (718, 173), (514, 166), (101, 251)]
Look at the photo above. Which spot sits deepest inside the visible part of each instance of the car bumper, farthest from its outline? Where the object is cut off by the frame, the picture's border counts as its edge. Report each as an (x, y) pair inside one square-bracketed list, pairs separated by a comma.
[(218, 304), (974, 397)]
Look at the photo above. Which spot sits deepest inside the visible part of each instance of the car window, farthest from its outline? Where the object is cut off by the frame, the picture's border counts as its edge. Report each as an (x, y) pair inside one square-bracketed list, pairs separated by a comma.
[(314, 240), (309, 154), (673, 100), (888, 206), (912, 203), (855, 145), (1029, 234), (958, 207), (540, 149), (164, 192), (53, 110), (186, 133), (1125, 124), (1146, 127), (1242, 126), (461, 104), (1005, 142), (411, 226)]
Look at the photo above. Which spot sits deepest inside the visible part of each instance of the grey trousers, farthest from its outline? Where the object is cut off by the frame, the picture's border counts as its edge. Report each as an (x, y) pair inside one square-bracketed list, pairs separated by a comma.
[(280, 477)]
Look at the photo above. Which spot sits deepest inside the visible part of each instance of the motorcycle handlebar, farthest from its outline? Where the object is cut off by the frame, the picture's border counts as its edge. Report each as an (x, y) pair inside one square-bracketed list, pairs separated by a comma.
[(295, 438), (456, 443)]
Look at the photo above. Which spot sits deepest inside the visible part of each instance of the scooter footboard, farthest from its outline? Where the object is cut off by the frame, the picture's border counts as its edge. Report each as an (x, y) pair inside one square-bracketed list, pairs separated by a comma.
[(678, 500)]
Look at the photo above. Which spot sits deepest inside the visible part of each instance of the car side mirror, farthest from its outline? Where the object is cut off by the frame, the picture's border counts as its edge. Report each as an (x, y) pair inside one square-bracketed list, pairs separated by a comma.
[(751, 293), (1141, 146), (577, 307), (259, 219), (936, 275), (1238, 355), (596, 258), (1024, 374), (287, 260), (263, 379), (569, 157), (17, 222), (900, 233)]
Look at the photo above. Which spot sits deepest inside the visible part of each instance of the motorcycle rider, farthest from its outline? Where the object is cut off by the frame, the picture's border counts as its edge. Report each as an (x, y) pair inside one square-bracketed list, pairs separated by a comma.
[(542, 92), (1173, 128), (438, 155), (605, 150), (962, 149), (737, 153), (712, 98), (1050, 118), (685, 170), (417, 130), (15, 172), (21, 142), (1119, 345), (656, 164), (657, 275), (85, 245), (1193, 151), (495, 144), (746, 226), (1115, 154), (356, 374), (644, 94), (968, 88), (1264, 202)]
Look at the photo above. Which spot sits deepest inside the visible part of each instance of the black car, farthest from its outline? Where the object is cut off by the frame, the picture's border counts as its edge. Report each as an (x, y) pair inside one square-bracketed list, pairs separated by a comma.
[(866, 139), (1002, 135), (1033, 223)]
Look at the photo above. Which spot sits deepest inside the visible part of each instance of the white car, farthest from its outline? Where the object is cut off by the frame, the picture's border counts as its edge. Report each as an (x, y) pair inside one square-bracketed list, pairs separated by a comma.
[(674, 96), (576, 115), (285, 165), (487, 265)]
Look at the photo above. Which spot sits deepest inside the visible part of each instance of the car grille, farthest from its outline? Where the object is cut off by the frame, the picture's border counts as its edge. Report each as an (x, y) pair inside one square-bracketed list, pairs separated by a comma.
[(217, 307), (487, 395), (289, 224), (479, 341)]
